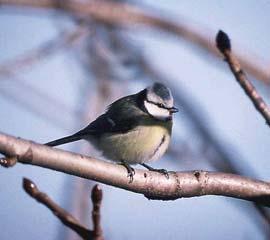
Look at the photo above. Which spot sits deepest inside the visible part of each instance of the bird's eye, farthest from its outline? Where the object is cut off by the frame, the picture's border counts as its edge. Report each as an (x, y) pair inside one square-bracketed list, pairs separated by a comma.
[(161, 105)]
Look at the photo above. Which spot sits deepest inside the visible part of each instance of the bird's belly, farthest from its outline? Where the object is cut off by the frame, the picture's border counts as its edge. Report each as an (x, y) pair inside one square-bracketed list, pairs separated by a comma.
[(143, 144)]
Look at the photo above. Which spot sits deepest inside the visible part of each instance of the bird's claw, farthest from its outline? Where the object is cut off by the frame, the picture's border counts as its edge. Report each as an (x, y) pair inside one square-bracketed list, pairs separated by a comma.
[(130, 171), (130, 174), (162, 171)]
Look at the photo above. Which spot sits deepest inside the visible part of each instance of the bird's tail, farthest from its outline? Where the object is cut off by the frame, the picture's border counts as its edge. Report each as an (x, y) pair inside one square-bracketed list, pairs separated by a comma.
[(64, 140)]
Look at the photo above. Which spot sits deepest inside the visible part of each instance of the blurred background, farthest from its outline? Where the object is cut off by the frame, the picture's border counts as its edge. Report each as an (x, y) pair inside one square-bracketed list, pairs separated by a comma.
[(61, 67)]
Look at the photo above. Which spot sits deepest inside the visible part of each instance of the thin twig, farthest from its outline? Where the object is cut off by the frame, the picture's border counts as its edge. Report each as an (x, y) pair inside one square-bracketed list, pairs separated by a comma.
[(224, 46), (96, 197), (65, 217), (152, 184), (8, 161), (124, 14)]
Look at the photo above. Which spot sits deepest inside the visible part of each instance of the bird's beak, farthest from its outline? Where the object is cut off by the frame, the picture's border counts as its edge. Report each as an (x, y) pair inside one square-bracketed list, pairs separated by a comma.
[(174, 110)]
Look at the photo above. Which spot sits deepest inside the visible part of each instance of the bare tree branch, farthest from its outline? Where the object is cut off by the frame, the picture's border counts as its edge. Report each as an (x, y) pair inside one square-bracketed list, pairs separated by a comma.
[(153, 185), (124, 14), (96, 197), (224, 46), (8, 161), (65, 217)]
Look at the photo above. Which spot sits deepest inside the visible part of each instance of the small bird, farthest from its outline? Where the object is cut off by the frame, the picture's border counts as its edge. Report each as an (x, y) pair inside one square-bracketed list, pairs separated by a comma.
[(135, 129)]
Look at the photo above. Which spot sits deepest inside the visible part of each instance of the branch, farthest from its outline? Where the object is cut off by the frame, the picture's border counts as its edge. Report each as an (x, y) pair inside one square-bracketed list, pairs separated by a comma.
[(224, 46), (8, 161), (96, 197), (124, 14), (153, 185), (65, 217)]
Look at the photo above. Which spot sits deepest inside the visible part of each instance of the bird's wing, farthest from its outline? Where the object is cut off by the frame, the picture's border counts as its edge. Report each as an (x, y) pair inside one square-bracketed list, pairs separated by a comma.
[(122, 116), (106, 124)]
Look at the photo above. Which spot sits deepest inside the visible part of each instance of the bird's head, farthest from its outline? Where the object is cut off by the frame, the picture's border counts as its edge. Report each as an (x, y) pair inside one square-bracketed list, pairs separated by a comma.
[(158, 102)]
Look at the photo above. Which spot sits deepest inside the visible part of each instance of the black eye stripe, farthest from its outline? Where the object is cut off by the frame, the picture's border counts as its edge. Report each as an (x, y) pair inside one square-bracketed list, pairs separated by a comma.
[(158, 104)]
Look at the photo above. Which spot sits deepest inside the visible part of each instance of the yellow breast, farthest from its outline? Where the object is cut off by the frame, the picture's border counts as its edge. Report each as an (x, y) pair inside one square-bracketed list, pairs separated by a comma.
[(143, 144)]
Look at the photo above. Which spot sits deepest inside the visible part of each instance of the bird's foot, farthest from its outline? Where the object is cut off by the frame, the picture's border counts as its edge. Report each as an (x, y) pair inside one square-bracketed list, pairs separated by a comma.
[(162, 171), (130, 170)]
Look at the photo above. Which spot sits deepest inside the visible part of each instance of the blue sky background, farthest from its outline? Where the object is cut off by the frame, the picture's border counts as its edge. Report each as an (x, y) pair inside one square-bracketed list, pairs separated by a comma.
[(210, 86)]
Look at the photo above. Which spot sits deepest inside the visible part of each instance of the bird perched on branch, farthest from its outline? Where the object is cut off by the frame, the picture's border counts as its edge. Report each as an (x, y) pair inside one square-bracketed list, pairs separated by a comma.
[(135, 129)]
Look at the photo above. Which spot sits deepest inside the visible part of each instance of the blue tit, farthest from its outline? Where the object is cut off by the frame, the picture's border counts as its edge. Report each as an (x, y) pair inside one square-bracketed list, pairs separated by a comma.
[(135, 129)]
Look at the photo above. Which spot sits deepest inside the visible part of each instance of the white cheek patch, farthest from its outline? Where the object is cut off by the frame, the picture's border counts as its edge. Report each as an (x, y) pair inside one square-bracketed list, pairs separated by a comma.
[(157, 112)]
